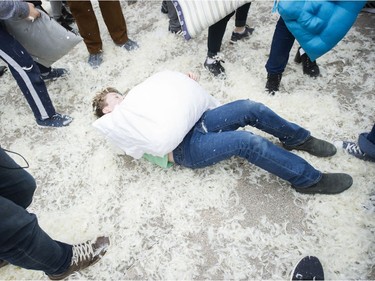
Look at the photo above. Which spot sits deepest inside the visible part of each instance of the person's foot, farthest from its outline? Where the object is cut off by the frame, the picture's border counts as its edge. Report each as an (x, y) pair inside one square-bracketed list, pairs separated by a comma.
[(3, 263), (309, 67), (3, 69), (308, 268), (54, 74), (369, 7), (353, 149), (316, 147), (240, 36), (177, 31), (330, 183), (57, 120), (164, 8), (273, 83), (213, 65), (130, 45), (84, 255), (95, 60)]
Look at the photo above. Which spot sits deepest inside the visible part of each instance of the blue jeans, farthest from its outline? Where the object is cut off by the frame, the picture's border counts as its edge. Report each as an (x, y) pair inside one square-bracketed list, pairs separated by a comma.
[(22, 241), (215, 138), (282, 43)]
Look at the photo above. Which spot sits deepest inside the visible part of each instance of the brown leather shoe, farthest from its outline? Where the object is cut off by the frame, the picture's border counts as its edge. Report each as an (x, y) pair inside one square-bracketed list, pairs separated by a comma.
[(84, 255)]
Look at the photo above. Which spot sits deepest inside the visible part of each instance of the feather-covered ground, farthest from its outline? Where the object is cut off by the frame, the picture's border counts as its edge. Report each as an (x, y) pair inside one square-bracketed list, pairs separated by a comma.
[(228, 221)]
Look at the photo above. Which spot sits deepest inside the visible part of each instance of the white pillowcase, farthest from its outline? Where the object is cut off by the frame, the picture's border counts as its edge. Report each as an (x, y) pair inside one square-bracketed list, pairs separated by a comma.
[(156, 115)]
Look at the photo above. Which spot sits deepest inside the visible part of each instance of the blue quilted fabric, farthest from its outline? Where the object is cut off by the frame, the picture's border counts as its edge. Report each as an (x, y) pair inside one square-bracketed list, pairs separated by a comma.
[(319, 25)]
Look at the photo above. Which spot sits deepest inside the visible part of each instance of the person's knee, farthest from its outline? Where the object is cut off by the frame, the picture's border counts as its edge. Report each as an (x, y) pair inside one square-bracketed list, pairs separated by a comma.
[(254, 107), (251, 145), (26, 186)]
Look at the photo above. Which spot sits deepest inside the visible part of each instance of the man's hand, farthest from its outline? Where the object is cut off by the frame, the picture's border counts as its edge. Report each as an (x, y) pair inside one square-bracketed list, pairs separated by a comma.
[(34, 13), (193, 76)]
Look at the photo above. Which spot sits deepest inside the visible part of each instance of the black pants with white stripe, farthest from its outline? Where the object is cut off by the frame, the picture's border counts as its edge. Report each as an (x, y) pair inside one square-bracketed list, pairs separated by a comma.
[(27, 75)]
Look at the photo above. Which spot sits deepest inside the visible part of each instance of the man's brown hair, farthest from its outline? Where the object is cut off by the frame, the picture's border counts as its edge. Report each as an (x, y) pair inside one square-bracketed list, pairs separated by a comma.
[(98, 103)]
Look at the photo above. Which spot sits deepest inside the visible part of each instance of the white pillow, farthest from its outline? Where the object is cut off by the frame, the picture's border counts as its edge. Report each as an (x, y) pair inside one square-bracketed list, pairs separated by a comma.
[(156, 115)]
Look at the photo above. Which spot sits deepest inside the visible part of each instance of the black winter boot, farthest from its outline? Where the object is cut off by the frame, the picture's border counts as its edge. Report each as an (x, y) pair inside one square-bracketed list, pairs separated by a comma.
[(273, 83), (309, 67), (315, 147), (329, 184)]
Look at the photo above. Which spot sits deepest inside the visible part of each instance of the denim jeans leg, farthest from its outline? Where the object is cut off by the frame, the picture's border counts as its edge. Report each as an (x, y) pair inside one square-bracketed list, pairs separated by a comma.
[(25, 244), (241, 113), (282, 43), (22, 241), (215, 138), (206, 149)]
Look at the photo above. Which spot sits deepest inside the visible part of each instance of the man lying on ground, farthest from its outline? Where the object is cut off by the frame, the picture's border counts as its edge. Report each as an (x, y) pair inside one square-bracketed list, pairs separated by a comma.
[(147, 123)]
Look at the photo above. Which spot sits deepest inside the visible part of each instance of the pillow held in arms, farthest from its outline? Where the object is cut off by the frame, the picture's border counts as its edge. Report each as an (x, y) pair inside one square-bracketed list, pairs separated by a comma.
[(197, 15), (319, 25), (45, 39), (156, 115)]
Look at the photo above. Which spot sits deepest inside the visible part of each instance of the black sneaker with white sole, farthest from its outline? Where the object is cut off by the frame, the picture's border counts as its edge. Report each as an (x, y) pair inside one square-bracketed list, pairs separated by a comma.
[(240, 36), (215, 66), (57, 120)]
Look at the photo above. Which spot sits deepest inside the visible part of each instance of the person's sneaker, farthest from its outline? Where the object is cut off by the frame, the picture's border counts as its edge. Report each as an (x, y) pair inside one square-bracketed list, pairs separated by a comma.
[(309, 67), (214, 66), (3, 263), (330, 183), (316, 147), (178, 31), (84, 255), (57, 120), (3, 69), (54, 74), (130, 45), (239, 36), (308, 268), (95, 60), (273, 83), (369, 7), (353, 149), (164, 7)]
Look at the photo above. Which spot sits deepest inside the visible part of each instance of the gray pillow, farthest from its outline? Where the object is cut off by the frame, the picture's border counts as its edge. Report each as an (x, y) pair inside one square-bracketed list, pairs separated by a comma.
[(44, 38)]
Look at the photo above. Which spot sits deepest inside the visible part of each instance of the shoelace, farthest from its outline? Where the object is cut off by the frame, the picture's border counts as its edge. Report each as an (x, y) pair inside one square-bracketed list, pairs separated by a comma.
[(352, 148), (217, 59), (82, 252)]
